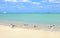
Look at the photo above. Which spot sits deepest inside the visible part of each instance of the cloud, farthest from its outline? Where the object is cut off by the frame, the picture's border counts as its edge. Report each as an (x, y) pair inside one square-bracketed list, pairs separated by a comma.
[(50, 1), (36, 3), (17, 0), (10, 0), (26, 4), (25, 0), (54, 1), (53, 6), (44, 1), (41, 7)]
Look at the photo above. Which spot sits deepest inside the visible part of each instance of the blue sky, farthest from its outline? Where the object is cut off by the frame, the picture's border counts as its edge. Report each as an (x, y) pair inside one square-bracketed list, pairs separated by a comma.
[(29, 5)]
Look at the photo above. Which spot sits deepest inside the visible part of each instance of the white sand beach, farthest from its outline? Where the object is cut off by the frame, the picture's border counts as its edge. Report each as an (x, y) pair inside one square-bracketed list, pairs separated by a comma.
[(8, 32)]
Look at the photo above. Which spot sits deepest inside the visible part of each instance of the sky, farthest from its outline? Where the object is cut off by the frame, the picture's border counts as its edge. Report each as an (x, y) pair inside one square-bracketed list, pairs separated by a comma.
[(29, 6)]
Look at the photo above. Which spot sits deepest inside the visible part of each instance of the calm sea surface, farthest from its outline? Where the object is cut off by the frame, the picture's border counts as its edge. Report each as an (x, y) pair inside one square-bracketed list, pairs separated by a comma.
[(33, 18)]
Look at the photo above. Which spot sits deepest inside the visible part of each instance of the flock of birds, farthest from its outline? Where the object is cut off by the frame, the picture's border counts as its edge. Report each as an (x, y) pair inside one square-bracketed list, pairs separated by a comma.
[(50, 27)]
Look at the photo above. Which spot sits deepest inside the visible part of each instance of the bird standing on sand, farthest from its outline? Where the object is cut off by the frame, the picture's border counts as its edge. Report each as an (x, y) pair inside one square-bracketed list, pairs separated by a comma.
[(12, 25), (52, 27), (35, 26)]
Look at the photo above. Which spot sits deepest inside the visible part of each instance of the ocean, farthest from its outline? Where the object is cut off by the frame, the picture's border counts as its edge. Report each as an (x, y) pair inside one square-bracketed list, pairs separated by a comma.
[(33, 18)]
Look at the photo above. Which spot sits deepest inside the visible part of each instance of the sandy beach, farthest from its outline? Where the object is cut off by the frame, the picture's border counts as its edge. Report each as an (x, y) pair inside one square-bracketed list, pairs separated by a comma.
[(8, 32)]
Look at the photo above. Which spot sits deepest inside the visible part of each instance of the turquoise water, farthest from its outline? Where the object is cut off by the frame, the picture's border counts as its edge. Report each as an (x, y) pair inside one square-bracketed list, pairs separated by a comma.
[(33, 18)]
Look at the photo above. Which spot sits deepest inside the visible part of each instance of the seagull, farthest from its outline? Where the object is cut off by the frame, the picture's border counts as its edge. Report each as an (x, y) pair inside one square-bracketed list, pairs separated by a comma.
[(52, 27), (12, 25)]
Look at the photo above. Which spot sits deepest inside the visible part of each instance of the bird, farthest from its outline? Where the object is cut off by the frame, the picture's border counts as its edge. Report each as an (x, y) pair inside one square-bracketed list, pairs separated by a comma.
[(51, 27)]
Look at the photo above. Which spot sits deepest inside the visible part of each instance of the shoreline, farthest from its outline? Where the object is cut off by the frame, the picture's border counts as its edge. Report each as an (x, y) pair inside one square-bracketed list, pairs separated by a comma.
[(21, 24), (7, 30), (28, 26)]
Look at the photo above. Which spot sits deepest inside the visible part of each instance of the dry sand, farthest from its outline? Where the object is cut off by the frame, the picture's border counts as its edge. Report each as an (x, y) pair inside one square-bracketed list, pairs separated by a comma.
[(8, 32)]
